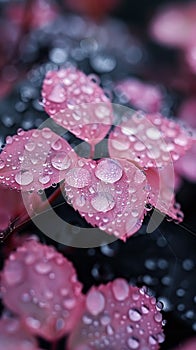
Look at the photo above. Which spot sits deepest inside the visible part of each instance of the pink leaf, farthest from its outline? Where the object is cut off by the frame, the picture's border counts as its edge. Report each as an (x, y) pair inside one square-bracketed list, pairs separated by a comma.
[(188, 345), (78, 104), (118, 316), (14, 336), (141, 95), (149, 140), (35, 159), (41, 286), (175, 25), (109, 193)]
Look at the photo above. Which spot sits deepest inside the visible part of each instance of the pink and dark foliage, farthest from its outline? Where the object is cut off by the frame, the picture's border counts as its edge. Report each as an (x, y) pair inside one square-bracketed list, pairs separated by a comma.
[(40, 286), (118, 316), (188, 345), (111, 193)]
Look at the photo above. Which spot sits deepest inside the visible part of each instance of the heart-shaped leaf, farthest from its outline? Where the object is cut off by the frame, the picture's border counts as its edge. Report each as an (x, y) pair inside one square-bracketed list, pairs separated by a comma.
[(41, 286), (35, 159), (78, 104), (149, 140), (109, 193), (118, 316)]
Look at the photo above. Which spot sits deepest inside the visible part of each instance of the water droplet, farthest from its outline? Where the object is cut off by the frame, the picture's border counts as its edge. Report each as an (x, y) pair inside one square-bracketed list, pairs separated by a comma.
[(120, 289), (14, 273), (145, 309), (153, 133), (57, 94), (24, 178), (87, 320), (110, 330), (152, 340), (133, 343), (33, 322), (69, 303), (102, 112), (105, 320), (78, 177), (61, 161), (43, 268), (120, 145), (134, 315), (30, 146), (44, 179), (103, 201), (57, 145), (158, 317), (2, 164), (109, 171), (95, 302)]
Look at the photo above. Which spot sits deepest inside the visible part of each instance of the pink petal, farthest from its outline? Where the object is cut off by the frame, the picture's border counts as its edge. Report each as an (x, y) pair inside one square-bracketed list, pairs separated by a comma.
[(42, 13), (14, 336), (118, 316), (190, 56), (40, 285), (78, 104), (186, 166), (187, 111), (109, 194), (149, 140), (141, 95), (188, 345), (175, 25), (35, 159)]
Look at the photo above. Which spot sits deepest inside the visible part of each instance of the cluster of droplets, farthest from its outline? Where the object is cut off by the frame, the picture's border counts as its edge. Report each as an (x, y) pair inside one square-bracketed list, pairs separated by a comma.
[(45, 285), (120, 316), (149, 140), (35, 159), (103, 192), (77, 103)]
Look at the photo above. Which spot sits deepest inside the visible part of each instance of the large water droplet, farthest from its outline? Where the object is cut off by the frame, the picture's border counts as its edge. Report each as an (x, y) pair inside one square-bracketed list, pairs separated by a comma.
[(43, 268), (78, 178), (95, 302), (153, 133), (134, 315), (109, 171), (24, 178), (103, 202), (61, 161), (30, 146), (133, 343), (33, 322), (57, 95), (120, 289)]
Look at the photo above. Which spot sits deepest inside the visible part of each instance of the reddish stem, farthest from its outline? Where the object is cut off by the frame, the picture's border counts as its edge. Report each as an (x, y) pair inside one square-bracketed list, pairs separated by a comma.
[(92, 151)]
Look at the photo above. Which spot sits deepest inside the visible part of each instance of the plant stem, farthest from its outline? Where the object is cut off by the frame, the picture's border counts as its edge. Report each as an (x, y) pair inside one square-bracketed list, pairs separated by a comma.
[(92, 151)]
